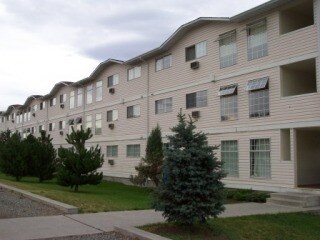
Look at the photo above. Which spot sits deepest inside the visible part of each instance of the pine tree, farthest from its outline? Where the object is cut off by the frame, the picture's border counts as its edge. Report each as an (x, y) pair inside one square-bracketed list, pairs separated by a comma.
[(13, 157), (151, 165), (191, 190), (77, 165)]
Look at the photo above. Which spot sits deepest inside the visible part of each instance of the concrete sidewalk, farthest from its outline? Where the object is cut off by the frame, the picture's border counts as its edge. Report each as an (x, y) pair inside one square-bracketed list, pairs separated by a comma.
[(80, 224)]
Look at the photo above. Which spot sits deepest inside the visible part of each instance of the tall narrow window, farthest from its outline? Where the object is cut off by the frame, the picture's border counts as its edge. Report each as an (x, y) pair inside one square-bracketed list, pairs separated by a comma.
[(133, 150), (197, 99), (89, 121), (89, 94), (228, 49), (260, 158), (229, 157), (163, 105), (71, 125), (98, 91), (258, 97), (71, 100), (228, 102), (51, 127), (53, 102), (79, 98), (134, 73), (112, 151), (62, 125), (29, 114), (112, 115), (63, 98), (164, 62), (42, 105), (133, 111), (196, 51), (257, 40), (113, 80), (78, 122), (98, 128)]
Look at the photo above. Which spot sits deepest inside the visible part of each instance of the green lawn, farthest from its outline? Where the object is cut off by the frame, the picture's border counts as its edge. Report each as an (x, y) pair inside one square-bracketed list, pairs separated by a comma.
[(107, 196), (286, 226)]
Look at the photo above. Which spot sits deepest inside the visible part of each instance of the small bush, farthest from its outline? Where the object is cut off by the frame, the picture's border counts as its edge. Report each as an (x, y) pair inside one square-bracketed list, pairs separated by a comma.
[(246, 195)]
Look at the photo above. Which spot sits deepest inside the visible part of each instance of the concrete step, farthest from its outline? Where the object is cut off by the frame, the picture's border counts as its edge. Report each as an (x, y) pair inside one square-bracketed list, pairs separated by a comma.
[(303, 200)]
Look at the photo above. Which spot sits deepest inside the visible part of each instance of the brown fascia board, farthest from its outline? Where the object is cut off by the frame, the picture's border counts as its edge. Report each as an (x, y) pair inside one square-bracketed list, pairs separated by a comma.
[(177, 35), (97, 71), (261, 9), (55, 89)]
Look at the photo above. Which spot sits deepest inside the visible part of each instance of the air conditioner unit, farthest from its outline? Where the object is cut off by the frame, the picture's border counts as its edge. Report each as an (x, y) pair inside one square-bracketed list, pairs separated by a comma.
[(61, 133), (61, 105), (33, 114), (111, 126), (195, 114), (12, 121), (111, 161), (195, 65), (111, 90)]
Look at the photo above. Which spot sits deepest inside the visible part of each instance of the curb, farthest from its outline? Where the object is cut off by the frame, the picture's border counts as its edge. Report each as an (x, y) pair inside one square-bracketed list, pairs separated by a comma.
[(68, 209), (137, 233)]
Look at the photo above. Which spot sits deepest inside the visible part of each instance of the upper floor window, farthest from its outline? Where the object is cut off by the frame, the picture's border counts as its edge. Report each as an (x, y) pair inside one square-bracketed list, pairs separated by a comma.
[(164, 62), (228, 102), (98, 127), (71, 100), (196, 51), (98, 91), (35, 108), (257, 40), (89, 121), (51, 127), (53, 102), (134, 73), (197, 99), (112, 115), (42, 105), (79, 98), (258, 97), (63, 98), (113, 80), (133, 111), (89, 94), (228, 49), (62, 125), (163, 105)]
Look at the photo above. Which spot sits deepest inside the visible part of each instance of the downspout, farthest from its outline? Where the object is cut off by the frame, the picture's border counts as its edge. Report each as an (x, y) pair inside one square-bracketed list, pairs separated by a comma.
[(317, 21), (148, 99)]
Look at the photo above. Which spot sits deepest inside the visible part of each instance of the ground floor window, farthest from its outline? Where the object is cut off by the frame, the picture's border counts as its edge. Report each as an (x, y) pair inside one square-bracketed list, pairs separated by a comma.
[(260, 158), (133, 150), (229, 157)]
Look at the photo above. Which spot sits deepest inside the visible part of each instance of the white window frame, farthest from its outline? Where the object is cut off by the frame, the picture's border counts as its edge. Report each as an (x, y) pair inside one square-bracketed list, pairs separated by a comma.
[(114, 115), (164, 62), (135, 112), (113, 80), (134, 73), (72, 100), (99, 91), (201, 99), (133, 150), (163, 105), (89, 94)]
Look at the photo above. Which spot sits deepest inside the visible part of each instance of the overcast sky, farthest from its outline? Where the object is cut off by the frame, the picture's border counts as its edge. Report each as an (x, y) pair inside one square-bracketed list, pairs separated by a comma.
[(43, 42)]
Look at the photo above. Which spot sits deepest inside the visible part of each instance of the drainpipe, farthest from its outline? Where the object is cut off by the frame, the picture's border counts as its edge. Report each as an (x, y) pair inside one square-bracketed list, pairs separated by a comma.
[(148, 99)]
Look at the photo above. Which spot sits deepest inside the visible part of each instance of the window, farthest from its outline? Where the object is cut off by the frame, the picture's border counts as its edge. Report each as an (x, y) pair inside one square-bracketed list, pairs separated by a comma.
[(260, 158), (89, 121), (258, 97), (112, 115), (35, 108), (98, 91), (71, 100), (33, 130), (257, 40), (228, 102), (197, 99), (112, 151), (53, 102), (40, 128), (228, 49), (133, 111), (164, 105), (71, 124), (28, 114), (63, 98), (62, 125), (285, 144), (51, 127), (98, 128), (78, 123), (134, 73), (79, 98), (89, 94), (196, 51), (164, 62), (229, 157), (113, 80), (133, 150), (42, 105)]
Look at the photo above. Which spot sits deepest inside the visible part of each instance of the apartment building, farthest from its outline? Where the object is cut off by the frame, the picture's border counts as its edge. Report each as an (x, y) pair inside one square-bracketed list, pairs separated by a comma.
[(251, 81)]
